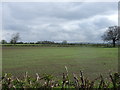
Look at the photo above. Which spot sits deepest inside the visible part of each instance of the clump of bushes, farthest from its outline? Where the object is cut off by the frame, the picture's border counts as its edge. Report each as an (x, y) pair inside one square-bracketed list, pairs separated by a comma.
[(47, 81)]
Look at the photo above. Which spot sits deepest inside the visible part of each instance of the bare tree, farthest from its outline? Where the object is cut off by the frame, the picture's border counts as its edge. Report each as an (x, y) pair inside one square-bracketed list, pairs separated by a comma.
[(112, 34), (15, 38)]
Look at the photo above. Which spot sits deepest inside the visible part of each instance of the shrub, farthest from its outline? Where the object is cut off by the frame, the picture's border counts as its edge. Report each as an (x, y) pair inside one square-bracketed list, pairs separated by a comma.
[(49, 81)]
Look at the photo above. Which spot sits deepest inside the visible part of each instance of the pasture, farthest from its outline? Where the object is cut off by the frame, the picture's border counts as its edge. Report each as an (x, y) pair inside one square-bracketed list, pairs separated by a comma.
[(93, 61)]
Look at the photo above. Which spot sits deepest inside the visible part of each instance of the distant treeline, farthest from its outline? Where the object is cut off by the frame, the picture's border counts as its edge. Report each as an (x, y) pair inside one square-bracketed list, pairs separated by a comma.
[(56, 44), (111, 36)]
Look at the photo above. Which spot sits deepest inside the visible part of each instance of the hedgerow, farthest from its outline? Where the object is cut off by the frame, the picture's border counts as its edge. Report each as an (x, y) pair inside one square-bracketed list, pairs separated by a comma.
[(46, 81)]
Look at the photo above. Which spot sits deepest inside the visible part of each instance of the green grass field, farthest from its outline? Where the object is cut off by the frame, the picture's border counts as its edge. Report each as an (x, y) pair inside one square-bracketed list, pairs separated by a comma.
[(93, 61)]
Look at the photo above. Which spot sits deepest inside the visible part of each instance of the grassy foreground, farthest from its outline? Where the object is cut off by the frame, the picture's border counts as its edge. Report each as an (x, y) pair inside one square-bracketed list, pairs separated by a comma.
[(93, 61)]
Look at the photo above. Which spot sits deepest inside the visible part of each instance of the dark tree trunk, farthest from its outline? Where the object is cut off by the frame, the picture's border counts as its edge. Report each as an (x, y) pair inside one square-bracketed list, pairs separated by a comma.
[(113, 42)]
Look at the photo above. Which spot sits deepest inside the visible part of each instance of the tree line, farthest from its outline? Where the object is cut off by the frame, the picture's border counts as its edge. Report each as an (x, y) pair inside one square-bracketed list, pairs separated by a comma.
[(111, 36)]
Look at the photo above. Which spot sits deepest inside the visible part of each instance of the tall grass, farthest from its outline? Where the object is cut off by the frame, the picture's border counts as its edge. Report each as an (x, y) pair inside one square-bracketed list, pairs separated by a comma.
[(48, 81)]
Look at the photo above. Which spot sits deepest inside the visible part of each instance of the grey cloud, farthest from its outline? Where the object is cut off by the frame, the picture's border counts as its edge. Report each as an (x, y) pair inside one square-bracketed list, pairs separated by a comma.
[(58, 21), (60, 10)]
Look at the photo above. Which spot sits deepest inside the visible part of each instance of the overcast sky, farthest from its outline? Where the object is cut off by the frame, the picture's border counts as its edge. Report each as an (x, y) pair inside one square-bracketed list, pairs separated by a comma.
[(74, 22)]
